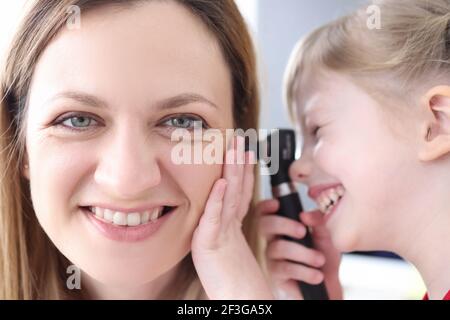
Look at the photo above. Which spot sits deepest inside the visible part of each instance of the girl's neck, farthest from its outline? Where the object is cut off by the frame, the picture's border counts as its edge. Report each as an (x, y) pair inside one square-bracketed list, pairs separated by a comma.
[(429, 252)]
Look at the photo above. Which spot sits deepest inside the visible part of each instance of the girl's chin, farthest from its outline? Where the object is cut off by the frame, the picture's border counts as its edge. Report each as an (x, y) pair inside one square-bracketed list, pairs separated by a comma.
[(343, 237)]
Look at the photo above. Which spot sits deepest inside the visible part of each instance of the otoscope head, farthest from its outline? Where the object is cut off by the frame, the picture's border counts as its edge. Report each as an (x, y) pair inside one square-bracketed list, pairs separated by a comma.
[(278, 152)]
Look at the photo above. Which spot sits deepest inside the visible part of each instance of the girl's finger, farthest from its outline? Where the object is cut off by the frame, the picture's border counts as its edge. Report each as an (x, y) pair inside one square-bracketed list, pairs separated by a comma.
[(271, 226), (233, 173), (315, 219), (211, 219), (288, 290), (285, 270), (288, 250), (248, 184), (312, 218), (268, 206)]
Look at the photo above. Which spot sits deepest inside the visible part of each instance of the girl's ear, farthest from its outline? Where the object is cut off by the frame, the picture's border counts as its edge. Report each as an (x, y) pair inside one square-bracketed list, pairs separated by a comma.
[(436, 131)]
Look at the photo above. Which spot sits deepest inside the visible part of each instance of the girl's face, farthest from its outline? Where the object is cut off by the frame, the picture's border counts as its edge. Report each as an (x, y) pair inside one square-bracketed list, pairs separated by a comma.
[(104, 101), (351, 154)]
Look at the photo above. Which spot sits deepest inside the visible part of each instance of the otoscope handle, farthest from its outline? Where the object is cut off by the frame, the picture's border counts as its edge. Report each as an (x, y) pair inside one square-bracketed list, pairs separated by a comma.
[(290, 207)]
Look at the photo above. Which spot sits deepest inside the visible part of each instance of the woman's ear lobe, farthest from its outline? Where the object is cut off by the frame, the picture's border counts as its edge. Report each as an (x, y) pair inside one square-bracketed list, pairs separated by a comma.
[(436, 142)]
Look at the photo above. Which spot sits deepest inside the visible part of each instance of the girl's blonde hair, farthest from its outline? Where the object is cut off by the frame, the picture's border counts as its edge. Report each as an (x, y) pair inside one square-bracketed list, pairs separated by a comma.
[(31, 267), (410, 47)]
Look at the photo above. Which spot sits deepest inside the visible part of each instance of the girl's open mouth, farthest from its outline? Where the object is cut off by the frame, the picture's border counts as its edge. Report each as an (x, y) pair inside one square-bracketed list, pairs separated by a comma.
[(329, 199)]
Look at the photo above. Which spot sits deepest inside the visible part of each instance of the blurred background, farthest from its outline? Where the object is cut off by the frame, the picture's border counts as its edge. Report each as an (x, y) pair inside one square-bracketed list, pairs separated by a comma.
[(276, 27)]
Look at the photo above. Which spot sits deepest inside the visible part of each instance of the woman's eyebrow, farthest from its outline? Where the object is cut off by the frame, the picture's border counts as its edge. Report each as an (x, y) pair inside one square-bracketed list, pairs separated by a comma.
[(169, 103)]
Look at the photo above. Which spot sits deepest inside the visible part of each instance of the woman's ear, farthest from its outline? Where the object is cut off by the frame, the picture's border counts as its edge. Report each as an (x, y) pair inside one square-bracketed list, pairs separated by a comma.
[(436, 131)]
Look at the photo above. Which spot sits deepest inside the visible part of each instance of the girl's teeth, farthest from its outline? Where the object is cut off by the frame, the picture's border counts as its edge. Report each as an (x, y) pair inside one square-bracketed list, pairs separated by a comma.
[(329, 199), (333, 195)]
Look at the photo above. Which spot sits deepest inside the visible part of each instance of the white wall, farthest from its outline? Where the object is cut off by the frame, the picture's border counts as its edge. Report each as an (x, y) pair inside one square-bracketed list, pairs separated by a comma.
[(10, 13)]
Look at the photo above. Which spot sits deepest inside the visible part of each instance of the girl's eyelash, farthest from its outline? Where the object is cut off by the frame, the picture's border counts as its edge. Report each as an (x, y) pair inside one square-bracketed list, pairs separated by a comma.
[(315, 130), (194, 118)]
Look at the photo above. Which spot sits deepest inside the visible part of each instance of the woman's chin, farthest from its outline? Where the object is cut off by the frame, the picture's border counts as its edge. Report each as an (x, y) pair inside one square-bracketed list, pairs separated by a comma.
[(124, 278)]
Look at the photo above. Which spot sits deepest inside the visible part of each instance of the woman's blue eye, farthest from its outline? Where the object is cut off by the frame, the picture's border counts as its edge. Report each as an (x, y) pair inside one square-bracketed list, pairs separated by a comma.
[(79, 122), (76, 122), (186, 122)]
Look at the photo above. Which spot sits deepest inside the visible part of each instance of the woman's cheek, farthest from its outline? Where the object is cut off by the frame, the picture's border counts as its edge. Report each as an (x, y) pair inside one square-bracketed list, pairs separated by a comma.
[(54, 176), (195, 181)]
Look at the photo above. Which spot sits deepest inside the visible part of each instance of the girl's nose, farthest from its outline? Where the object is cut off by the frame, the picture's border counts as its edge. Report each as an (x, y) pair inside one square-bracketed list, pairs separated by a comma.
[(300, 170), (129, 167)]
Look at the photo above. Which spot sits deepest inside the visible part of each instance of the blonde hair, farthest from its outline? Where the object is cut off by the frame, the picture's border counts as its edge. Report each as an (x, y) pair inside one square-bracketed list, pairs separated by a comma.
[(411, 47), (31, 267)]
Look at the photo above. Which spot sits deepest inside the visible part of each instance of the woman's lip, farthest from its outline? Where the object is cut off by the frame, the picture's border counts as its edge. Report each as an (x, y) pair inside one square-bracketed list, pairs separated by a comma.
[(122, 233)]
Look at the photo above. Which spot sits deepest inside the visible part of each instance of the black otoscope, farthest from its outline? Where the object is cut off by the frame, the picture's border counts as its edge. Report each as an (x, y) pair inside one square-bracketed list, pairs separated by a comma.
[(285, 191)]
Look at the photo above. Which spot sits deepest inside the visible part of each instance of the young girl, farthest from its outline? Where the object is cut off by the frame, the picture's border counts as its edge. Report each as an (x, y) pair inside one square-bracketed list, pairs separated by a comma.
[(373, 108), (91, 92)]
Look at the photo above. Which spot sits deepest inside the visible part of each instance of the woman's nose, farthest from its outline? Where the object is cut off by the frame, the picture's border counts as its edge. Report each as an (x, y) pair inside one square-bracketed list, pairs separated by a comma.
[(128, 167), (300, 170)]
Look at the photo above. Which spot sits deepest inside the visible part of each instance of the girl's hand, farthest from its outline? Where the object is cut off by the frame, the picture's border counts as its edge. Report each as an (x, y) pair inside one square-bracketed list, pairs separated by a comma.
[(283, 255), (225, 263)]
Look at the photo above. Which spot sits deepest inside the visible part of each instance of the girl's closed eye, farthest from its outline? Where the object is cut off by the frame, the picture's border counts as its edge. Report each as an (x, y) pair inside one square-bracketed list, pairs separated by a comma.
[(315, 130)]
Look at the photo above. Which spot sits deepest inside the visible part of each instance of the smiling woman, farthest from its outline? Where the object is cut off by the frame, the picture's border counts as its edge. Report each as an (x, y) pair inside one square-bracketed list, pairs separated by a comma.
[(85, 125)]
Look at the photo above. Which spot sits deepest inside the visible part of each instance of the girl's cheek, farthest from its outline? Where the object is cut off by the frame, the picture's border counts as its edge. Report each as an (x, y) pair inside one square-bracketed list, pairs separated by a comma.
[(322, 155), (331, 157)]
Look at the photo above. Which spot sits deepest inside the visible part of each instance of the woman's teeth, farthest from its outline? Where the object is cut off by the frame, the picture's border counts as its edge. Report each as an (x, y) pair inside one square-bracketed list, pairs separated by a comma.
[(329, 198), (127, 219)]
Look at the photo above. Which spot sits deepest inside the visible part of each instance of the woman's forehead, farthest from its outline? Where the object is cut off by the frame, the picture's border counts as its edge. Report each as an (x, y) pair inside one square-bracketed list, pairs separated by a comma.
[(139, 51)]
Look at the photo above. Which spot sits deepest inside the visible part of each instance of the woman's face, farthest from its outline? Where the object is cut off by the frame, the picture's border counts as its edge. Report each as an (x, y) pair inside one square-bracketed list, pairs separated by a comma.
[(118, 87), (351, 155)]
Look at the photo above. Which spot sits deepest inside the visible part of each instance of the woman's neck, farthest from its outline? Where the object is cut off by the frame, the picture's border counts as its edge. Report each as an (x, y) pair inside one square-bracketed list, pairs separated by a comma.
[(148, 291), (429, 252)]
